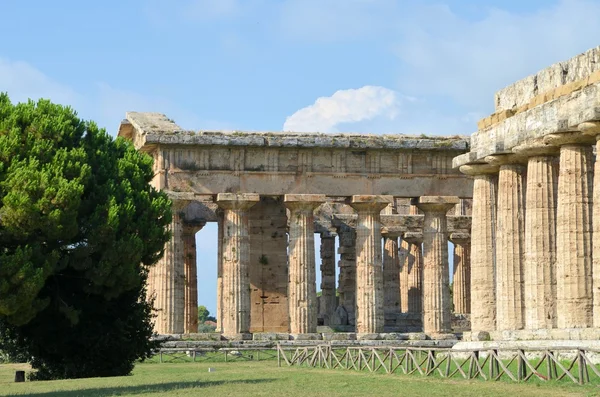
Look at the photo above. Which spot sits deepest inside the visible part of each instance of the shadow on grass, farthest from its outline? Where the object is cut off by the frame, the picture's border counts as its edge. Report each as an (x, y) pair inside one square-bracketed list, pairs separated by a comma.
[(150, 388)]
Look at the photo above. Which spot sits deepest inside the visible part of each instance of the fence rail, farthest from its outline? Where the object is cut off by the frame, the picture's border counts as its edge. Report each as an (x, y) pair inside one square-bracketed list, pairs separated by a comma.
[(183, 354), (556, 363)]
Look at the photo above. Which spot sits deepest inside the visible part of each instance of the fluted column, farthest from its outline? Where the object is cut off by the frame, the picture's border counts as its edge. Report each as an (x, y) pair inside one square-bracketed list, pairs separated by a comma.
[(328, 301), (539, 259), (510, 239), (302, 292), (347, 276), (436, 276), (483, 257), (593, 129), (168, 279), (236, 260), (574, 230), (191, 277), (369, 276), (403, 260), (391, 276), (461, 292), (414, 263), (220, 234)]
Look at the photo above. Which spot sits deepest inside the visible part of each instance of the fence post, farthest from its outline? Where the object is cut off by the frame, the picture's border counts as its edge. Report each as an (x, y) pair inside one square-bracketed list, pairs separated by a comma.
[(522, 368)]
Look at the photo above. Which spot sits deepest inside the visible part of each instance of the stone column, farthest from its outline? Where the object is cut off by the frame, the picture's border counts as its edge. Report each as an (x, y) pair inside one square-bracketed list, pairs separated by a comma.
[(328, 300), (403, 259), (236, 260), (220, 235), (539, 260), (574, 230), (347, 276), (191, 277), (510, 239), (369, 277), (436, 275), (593, 129), (461, 293), (302, 289), (414, 294), (483, 257), (391, 278), (168, 279)]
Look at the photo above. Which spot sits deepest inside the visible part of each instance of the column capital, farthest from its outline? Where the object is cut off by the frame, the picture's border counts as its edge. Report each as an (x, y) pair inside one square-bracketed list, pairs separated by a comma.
[(386, 233), (590, 128), (536, 148), (460, 238), (435, 203), (237, 201), (369, 202), (413, 237), (569, 138), (478, 169), (303, 201), (510, 159)]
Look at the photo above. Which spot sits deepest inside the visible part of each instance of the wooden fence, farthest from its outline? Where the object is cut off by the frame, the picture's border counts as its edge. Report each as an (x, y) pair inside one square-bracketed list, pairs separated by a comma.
[(556, 363)]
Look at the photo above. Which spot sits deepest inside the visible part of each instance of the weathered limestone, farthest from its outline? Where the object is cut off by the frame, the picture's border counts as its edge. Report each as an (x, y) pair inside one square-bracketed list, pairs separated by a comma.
[(328, 301), (391, 277), (168, 280), (236, 257), (347, 275), (302, 294), (436, 290), (405, 263), (415, 271), (191, 278), (510, 229), (593, 129), (369, 277), (483, 256), (539, 262), (220, 235), (461, 293), (573, 231)]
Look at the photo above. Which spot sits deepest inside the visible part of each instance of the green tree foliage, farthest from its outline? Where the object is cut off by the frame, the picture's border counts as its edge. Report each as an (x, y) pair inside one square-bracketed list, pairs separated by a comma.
[(79, 228), (204, 315)]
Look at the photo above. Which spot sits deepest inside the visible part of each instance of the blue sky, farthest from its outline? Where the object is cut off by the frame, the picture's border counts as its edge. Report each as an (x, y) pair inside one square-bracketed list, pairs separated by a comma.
[(330, 65)]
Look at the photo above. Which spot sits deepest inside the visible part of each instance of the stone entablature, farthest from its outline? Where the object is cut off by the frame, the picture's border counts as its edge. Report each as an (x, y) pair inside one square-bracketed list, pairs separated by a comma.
[(287, 163), (573, 98)]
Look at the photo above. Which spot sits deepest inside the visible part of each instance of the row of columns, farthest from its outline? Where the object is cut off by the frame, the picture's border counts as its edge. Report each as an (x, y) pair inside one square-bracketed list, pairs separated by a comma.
[(371, 282), (533, 265)]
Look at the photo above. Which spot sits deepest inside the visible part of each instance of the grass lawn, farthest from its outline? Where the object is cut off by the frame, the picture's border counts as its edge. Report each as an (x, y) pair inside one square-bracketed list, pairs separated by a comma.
[(264, 378)]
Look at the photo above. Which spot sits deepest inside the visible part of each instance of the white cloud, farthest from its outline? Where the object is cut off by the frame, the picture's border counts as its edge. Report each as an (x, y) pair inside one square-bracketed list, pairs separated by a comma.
[(346, 106)]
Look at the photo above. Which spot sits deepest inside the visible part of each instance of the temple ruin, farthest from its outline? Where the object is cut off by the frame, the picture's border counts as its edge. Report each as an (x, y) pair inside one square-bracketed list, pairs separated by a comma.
[(519, 200), (271, 192)]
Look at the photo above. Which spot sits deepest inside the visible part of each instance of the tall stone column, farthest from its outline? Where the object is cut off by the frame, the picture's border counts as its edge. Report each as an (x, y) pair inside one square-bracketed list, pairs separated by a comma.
[(510, 239), (369, 276), (302, 290), (391, 278), (414, 294), (403, 259), (191, 277), (347, 276), (574, 230), (220, 234), (168, 279), (461, 292), (236, 260), (328, 300), (436, 276), (593, 129), (539, 260), (483, 249)]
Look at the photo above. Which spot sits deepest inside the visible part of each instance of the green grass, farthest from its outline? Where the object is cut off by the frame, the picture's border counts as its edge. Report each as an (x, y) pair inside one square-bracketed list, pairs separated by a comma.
[(264, 378)]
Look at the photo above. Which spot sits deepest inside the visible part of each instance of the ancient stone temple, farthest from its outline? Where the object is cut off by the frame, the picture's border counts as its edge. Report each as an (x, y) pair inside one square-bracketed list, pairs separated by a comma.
[(536, 206), (389, 203)]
